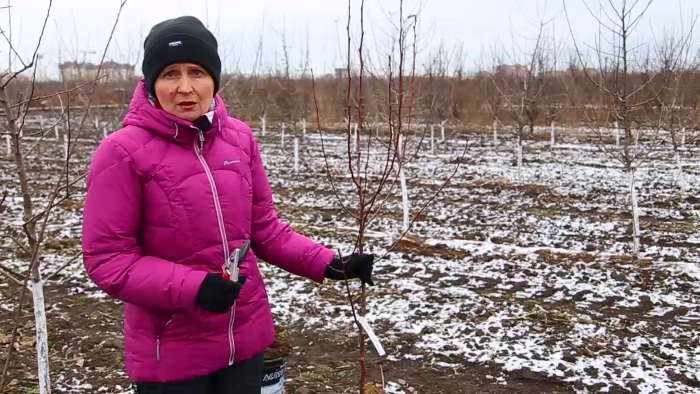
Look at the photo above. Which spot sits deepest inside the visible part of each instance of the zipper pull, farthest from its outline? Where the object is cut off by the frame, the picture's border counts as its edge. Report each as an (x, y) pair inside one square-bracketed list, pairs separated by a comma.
[(201, 140)]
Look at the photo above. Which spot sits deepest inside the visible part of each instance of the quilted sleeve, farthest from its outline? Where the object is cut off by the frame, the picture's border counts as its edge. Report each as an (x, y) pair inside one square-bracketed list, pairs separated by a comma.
[(111, 252)]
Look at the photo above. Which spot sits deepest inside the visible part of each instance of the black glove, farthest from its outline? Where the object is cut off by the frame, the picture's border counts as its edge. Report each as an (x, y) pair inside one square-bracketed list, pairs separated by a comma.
[(356, 266), (217, 294)]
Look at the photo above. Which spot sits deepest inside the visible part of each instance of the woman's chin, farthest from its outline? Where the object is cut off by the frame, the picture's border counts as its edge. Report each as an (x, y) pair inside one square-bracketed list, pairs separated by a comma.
[(188, 115)]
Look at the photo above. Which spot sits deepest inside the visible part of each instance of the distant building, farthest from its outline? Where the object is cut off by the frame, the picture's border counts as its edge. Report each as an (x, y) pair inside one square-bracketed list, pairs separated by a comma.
[(341, 73), (74, 71), (514, 71)]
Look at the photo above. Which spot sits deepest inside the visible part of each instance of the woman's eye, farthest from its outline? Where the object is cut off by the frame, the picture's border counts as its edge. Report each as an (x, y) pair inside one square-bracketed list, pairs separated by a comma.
[(170, 74), (197, 73)]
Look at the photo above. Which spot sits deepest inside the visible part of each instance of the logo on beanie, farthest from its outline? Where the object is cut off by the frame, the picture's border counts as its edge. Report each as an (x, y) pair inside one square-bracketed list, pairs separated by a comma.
[(175, 43)]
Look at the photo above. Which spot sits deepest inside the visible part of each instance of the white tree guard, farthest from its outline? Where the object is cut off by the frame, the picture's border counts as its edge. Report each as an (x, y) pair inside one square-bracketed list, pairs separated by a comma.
[(264, 124), (553, 137), (55, 130), (683, 137), (104, 132), (97, 123), (617, 135), (635, 214), (442, 129), (681, 176), (296, 155), (303, 128), (9, 145), (42, 338), (520, 162), (495, 132), (404, 198), (282, 137), (432, 139), (65, 146), (41, 122), (356, 137), (353, 137), (404, 188)]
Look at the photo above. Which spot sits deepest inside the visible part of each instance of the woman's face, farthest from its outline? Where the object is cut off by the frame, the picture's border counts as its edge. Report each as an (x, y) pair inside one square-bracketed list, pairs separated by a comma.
[(184, 90)]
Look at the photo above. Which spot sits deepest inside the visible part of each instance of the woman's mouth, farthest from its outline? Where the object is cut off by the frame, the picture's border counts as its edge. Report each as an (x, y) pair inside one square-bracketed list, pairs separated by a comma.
[(187, 105)]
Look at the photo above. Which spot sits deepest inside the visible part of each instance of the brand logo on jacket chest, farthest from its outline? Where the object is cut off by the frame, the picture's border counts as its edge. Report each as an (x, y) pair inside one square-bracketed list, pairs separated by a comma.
[(229, 162)]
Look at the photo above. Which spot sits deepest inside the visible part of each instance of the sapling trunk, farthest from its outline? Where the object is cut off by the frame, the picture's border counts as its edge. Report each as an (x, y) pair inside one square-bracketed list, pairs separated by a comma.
[(42, 341), (353, 137), (404, 198), (296, 155), (635, 213), (683, 137), (404, 188), (520, 161), (432, 139), (495, 132), (282, 138), (264, 125)]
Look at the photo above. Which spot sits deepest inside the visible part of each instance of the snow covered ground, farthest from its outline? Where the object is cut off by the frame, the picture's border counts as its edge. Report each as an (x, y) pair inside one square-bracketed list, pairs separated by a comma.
[(535, 279)]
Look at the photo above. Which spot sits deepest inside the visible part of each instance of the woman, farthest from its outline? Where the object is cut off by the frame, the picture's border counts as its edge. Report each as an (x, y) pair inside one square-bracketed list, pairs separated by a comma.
[(170, 197)]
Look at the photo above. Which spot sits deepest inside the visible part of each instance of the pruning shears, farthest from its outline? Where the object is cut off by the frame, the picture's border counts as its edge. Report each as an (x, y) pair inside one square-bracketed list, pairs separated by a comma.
[(230, 269)]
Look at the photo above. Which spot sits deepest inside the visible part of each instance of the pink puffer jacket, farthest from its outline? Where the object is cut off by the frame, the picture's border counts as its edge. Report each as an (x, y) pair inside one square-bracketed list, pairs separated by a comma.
[(166, 204)]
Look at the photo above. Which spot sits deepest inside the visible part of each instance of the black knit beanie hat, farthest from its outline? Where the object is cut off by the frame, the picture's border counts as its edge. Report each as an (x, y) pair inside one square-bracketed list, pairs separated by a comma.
[(180, 40)]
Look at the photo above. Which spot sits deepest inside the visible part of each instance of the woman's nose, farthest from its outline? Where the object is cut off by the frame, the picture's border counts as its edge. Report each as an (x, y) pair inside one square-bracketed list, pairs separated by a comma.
[(185, 85)]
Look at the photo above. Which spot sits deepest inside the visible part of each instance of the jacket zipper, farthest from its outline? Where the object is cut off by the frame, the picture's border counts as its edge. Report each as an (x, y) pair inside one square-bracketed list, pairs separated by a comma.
[(158, 339), (220, 217)]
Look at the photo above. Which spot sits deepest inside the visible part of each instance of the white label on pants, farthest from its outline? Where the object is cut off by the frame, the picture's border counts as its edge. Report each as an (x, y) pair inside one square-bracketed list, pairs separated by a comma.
[(277, 388)]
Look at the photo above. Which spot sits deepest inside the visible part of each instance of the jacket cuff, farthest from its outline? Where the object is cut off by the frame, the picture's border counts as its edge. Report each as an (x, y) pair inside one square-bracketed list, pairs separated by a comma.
[(190, 289), (320, 263)]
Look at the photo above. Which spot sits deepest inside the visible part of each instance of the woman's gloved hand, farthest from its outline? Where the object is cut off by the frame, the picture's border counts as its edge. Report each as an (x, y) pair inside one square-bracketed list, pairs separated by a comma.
[(217, 294), (356, 266)]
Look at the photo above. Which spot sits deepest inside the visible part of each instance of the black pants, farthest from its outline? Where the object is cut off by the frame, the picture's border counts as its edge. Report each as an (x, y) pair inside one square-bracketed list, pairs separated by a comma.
[(241, 378)]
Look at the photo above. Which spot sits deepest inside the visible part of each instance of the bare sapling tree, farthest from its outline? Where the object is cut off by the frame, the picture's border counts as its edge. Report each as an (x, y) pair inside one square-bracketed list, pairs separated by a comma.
[(555, 94), (437, 98), (678, 65), (37, 210), (520, 88), (374, 179), (629, 85)]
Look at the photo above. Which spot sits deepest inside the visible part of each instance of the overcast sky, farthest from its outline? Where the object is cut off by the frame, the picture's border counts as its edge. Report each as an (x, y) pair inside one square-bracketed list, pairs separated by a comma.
[(79, 29)]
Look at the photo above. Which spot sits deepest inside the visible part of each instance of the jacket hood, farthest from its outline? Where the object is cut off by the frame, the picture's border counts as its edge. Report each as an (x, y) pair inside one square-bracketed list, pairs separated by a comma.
[(143, 113)]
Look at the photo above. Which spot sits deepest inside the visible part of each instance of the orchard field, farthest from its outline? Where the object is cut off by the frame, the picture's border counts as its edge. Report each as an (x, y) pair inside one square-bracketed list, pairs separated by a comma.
[(500, 286)]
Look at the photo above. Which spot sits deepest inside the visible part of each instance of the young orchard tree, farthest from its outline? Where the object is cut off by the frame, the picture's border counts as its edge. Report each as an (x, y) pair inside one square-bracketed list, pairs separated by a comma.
[(438, 86), (629, 86), (520, 89), (377, 164), (37, 210), (555, 95)]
